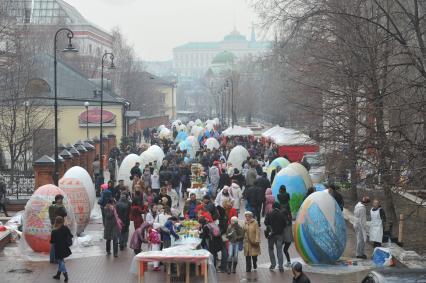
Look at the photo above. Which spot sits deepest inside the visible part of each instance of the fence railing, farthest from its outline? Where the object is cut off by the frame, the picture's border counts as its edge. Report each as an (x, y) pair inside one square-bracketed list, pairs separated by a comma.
[(19, 185)]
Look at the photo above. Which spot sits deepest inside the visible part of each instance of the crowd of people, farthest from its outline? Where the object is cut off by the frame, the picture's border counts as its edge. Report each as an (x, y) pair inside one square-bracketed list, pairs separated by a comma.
[(158, 200)]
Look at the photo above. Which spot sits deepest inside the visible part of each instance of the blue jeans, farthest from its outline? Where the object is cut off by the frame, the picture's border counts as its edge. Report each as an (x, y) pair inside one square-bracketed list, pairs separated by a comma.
[(233, 252), (61, 266), (52, 254), (277, 241)]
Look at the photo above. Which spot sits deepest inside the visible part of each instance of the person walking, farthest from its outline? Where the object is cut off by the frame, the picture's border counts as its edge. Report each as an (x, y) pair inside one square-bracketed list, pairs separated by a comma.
[(283, 197), (298, 275), (251, 241), (106, 195), (235, 236), (3, 195), (360, 224), (211, 238), (112, 228), (287, 234), (378, 221), (155, 182), (276, 221), (56, 209), (236, 193), (123, 211), (214, 177), (255, 196), (61, 240)]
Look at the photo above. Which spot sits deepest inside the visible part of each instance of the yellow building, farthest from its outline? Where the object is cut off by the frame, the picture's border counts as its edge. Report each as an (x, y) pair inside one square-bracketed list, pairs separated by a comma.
[(76, 94), (166, 88)]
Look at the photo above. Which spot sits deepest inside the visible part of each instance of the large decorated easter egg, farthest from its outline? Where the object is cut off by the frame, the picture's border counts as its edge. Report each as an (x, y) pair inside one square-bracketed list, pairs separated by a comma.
[(280, 162), (301, 170), (295, 186), (126, 165), (212, 143), (237, 156), (36, 222), (81, 174), (320, 230), (80, 203)]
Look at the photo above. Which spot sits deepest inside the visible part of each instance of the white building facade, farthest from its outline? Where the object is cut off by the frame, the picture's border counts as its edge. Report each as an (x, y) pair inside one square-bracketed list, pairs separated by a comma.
[(193, 59)]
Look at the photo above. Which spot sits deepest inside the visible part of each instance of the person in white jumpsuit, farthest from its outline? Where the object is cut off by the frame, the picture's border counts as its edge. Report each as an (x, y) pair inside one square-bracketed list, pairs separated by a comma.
[(378, 220), (360, 226)]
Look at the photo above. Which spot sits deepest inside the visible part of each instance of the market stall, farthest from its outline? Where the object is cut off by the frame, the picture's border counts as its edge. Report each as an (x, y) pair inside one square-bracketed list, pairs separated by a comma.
[(291, 143), (237, 131)]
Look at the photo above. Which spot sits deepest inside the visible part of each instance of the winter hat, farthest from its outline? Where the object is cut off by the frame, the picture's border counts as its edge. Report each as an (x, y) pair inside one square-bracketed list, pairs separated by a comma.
[(297, 266)]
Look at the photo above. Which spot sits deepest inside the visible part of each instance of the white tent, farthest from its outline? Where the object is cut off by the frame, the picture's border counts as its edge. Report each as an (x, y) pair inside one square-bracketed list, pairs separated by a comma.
[(212, 143), (237, 131), (285, 136), (237, 156)]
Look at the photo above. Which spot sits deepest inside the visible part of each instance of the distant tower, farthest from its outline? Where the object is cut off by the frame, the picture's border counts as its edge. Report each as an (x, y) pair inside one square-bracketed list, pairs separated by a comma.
[(253, 34)]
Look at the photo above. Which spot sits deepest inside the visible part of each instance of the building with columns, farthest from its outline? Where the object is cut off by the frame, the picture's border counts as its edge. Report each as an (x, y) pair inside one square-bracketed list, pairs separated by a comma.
[(193, 59)]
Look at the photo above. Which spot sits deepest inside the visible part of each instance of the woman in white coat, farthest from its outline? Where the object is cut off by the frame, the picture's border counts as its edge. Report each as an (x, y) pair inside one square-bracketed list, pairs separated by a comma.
[(378, 220)]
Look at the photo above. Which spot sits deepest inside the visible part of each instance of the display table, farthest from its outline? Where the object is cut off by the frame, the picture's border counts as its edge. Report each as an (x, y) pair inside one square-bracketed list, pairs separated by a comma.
[(186, 254)]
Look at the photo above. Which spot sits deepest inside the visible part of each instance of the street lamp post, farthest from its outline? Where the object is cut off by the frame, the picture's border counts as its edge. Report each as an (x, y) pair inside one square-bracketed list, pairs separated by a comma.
[(230, 83), (26, 128), (86, 105), (69, 49), (101, 137)]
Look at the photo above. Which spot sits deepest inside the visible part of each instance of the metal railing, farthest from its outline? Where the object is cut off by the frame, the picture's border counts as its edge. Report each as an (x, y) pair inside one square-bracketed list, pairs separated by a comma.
[(19, 185)]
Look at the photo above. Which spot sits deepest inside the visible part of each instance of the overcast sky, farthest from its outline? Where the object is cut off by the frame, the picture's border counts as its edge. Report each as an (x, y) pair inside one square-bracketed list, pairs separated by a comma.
[(154, 27)]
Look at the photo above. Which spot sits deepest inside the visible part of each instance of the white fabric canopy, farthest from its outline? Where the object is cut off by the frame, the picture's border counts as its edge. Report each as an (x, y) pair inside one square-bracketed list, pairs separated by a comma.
[(285, 136), (237, 131)]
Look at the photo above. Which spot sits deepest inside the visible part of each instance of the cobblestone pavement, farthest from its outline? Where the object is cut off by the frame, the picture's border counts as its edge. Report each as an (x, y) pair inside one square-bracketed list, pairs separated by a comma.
[(107, 269)]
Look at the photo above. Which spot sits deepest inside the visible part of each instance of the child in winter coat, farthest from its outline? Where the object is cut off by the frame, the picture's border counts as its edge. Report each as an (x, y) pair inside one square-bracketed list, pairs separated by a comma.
[(154, 241), (269, 200)]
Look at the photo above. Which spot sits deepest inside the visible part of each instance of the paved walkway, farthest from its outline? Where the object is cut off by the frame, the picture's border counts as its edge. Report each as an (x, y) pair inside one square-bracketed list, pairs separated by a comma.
[(106, 269)]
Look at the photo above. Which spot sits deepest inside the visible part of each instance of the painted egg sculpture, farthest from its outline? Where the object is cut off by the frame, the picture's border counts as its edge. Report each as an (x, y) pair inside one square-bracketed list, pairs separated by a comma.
[(80, 203), (294, 184), (81, 174), (320, 230), (126, 165), (36, 223), (301, 170)]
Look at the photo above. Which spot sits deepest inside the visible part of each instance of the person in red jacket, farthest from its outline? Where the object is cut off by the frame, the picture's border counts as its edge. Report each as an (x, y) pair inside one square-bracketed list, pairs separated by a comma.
[(136, 212)]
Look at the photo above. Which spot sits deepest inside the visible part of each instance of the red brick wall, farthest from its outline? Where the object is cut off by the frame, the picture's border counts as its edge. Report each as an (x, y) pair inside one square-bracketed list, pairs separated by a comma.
[(140, 124)]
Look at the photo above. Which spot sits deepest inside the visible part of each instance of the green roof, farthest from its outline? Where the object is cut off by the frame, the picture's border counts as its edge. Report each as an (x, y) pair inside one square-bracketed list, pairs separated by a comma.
[(235, 36)]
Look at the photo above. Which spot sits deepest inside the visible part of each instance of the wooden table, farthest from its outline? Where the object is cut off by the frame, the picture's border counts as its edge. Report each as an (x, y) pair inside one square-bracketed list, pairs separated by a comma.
[(169, 256)]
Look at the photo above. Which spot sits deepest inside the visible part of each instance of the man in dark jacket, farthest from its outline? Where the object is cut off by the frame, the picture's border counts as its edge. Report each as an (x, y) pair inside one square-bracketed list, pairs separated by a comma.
[(163, 194), (136, 170), (239, 178), (123, 211), (264, 184), (224, 180), (255, 197), (298, 275), (209, 207), (190, 206), (275, 221), (332, 190), (56, 209)]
